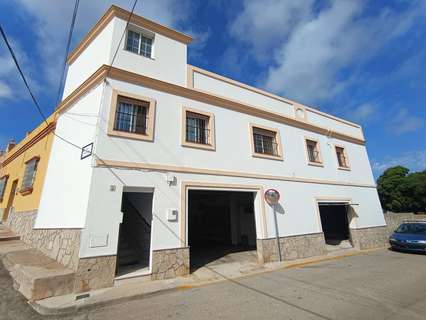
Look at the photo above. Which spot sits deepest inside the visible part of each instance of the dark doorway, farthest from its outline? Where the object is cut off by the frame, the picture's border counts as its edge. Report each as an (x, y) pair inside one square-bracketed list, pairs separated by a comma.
[(10, 200), (334, 221), (220, 225), (135, 234)]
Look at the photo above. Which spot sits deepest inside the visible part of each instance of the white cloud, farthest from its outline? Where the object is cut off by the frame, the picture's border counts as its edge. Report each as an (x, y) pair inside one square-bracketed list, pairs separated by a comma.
[(10, 80), (5, 90), (403, 122), (362, 113), (200, 39), (265, 23), (312, 50), (413, 160), (50, 23)]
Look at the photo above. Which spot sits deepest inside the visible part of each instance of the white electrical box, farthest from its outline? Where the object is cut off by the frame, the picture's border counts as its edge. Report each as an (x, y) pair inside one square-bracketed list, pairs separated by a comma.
[(172, 214), (97, 241)]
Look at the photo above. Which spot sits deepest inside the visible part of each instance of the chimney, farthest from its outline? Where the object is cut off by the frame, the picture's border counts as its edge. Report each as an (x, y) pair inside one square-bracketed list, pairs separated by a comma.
[(10, 145)]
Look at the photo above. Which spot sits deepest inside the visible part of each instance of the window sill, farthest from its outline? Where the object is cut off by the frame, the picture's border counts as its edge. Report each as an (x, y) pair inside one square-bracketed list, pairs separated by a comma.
[(344, 168), (26, 191), (140, 55), (316, 164), (267, 156), (129, 135), (199, 146)]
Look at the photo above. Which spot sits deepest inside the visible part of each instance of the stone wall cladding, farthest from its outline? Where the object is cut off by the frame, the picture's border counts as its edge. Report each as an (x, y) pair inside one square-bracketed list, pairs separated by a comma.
[(170, 263), (393, 220), (369, 238), (63, 245), (292, 247), (95, 273)]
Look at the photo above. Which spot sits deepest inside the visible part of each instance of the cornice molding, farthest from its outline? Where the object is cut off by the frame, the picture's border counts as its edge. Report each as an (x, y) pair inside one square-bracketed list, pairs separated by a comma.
[(192, 170), (140, 21), (20, 149)]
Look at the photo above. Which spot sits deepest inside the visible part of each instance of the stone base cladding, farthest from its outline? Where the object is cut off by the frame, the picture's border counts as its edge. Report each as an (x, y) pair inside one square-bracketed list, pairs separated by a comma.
[(393, 220), (170, 263), (369, 238), (95, 273), (63, 245), (293, 247)]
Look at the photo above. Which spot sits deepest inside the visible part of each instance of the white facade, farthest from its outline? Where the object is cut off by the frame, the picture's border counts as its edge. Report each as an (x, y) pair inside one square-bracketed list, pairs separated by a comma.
[(80, 194)]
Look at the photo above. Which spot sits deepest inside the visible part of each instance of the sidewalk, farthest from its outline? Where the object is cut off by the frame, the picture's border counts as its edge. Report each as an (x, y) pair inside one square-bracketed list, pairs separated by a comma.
[(136, 288)]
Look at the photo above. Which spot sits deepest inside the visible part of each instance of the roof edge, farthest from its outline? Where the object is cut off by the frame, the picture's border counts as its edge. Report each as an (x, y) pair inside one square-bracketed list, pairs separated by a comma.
[(115, 11), (269, 94)]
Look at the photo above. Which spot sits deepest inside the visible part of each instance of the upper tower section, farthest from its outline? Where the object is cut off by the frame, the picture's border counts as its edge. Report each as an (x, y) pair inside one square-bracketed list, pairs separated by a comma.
[(146, 48)]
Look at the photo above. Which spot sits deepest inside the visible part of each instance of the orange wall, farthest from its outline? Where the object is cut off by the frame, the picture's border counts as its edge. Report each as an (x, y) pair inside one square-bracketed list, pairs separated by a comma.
[(37, 143)]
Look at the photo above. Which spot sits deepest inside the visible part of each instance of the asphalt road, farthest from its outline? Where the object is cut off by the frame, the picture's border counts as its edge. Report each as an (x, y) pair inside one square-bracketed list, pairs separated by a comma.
[(378, 285)]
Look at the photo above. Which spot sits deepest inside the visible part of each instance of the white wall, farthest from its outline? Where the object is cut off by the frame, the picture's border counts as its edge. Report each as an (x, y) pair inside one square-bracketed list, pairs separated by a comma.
[(233, 92), (64, 199), (298, 215), (90, 198), (97, 53), (168, 63), (232, 133)]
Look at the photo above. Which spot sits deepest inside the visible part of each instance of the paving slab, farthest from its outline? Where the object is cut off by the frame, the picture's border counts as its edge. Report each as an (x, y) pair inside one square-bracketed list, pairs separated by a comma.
[(37, 276), (11, 246), (136, 288), (7, 235)]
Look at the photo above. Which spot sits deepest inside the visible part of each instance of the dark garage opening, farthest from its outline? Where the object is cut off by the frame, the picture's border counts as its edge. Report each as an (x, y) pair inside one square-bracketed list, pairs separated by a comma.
[(335, 223), (221, 227)]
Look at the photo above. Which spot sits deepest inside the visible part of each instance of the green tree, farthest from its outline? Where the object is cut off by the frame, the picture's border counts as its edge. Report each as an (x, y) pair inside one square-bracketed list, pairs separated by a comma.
[(415, 190), (390, 187), (401, 191)]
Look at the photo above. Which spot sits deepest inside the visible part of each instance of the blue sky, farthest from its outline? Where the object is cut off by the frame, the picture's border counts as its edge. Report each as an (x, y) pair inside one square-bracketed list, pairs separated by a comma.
[(361, 60)]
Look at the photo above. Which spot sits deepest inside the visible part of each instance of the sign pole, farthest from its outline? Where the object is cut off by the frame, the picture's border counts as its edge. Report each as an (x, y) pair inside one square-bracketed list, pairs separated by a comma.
[(276, 234), (272, 197)]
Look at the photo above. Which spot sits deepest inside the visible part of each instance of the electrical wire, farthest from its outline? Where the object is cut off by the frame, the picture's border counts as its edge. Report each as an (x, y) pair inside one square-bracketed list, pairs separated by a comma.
[(64, 63), (40, 111), (12, 53)]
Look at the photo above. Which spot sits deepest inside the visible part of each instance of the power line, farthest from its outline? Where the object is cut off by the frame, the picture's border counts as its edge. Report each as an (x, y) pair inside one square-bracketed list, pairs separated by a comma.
[(64, 64), (12, 53), (3, 34), (122, 36)]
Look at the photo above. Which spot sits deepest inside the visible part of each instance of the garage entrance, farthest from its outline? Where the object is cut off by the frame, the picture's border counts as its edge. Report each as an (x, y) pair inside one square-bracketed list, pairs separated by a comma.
[(335, 223), (221, 227)]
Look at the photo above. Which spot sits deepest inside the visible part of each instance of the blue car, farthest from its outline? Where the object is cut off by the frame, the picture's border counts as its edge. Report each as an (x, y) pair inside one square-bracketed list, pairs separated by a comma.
[(410, 236)]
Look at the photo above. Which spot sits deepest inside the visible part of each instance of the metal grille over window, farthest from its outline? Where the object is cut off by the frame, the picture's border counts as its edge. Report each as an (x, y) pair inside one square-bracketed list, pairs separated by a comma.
[(131, 116), (197, 129), (313, 152), (341, 157), (133, 41), (265, 142), (2, 186), (146, 47), (139, 44), (29, 174)]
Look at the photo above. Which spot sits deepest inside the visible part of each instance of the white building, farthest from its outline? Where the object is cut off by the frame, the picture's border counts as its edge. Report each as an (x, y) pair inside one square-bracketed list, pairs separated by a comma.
[(183, 158)]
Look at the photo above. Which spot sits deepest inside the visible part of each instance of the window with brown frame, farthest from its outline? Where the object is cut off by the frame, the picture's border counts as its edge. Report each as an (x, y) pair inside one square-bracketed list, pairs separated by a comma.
[(312, 148), (131, 115), (29, 175), (341, 157), (3, 184), (265, 142), (139, 43), (197, 128)]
